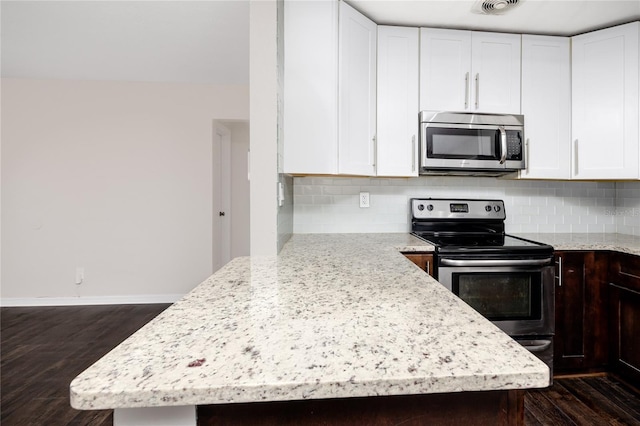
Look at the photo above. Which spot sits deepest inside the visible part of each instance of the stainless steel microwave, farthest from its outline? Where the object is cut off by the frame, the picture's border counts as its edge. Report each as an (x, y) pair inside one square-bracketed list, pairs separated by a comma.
[(471, 143)]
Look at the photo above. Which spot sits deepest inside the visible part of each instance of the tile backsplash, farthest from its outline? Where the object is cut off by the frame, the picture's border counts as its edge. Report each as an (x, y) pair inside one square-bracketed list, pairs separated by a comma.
[(330, 204), (627, 210)]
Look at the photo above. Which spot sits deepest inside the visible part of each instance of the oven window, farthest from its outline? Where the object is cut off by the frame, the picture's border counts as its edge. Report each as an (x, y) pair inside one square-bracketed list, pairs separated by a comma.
[(501, 296), (462, 144)]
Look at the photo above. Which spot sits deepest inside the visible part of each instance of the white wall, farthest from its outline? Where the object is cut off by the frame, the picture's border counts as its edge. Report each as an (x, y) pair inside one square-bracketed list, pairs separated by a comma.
[(113, 177), (323, 204)]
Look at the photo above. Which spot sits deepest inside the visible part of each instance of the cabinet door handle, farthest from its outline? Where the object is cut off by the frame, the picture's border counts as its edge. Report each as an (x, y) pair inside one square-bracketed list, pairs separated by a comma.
[(428, 268), (575, 157), (374, 151), (477, 91), (526, 156), (413, 153), (466, 90), (559, 271)]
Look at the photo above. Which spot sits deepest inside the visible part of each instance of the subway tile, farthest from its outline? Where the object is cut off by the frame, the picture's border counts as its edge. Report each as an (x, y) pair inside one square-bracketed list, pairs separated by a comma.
[(325, 204)]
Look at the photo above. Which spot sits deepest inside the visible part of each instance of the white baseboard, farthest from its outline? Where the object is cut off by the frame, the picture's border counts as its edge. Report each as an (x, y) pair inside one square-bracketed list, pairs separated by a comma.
[(140, 299)]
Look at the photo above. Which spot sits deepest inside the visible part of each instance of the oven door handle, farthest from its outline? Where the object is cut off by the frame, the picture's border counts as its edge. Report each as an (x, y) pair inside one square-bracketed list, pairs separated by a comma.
[(536, 345), (496, 262)]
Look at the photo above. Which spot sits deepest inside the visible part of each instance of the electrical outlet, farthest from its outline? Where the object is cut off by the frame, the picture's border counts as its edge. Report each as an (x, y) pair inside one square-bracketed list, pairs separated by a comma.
[(364, 199), (280, 194)]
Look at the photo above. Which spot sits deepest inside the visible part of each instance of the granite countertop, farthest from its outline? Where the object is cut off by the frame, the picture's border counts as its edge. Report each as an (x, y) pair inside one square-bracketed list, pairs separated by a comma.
[(332, 316), (597, 241)]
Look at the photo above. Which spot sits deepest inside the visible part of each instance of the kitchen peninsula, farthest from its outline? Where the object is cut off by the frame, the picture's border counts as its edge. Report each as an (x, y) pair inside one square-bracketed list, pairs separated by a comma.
[(335, 317)]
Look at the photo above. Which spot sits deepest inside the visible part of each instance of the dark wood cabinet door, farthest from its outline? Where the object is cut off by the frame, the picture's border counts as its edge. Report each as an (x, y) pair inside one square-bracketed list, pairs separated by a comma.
[(423, 260), (624, 315), (581, 338)]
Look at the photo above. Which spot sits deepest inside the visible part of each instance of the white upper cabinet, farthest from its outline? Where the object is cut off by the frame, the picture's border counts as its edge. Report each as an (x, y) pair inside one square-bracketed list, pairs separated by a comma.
[(357, 93), (397, 136), (546, 106), (495, 68), (469, 71), (605, 103), (445, 69), (311, 87)]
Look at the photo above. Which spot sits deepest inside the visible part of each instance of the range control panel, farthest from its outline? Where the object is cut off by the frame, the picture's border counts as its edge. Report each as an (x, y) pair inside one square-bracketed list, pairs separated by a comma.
[(441, 208)]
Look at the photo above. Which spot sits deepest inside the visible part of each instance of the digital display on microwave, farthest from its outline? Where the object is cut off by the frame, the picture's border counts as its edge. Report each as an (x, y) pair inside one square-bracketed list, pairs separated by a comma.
[(459, 208)]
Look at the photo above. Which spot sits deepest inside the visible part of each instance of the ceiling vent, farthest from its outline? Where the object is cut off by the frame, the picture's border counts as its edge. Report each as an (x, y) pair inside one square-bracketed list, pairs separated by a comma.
[(495, 7)]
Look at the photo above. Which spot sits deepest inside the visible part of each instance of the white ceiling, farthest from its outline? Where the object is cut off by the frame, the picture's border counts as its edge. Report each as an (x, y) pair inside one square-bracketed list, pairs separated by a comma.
[(555, 17), (207, 41)]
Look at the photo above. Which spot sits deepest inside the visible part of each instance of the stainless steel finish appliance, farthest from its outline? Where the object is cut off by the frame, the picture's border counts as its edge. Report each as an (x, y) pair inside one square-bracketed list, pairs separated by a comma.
[(507, 279), (471, 143)]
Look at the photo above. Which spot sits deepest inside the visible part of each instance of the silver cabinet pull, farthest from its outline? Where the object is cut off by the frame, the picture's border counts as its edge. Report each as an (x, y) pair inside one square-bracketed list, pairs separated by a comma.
[(374, 151), (413, 153), (428, 268), (503, 144), (477, 91), (575, 157), (559, 271), (466, 90), (526, 158)]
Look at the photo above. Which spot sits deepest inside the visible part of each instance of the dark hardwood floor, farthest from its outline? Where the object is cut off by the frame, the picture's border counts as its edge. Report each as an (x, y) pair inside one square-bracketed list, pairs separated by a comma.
[(42, 349), (588, 400)]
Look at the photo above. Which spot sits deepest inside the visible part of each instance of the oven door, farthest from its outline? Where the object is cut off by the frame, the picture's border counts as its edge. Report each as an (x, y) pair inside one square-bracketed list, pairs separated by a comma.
[(480, 147), (516, 295)]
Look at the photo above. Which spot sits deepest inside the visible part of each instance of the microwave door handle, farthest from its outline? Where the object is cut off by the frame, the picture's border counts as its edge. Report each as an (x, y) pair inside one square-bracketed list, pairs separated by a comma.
[(503, 144)]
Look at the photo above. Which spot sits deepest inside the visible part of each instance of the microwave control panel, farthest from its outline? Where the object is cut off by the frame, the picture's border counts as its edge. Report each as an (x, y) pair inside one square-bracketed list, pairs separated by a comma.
[(514, 145)]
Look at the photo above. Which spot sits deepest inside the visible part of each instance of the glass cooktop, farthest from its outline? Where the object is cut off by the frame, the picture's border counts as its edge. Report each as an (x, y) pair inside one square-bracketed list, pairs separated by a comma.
[(491, 242)]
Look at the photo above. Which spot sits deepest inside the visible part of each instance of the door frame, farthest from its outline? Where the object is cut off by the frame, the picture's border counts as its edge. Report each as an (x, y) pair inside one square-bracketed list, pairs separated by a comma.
[(221, 195)]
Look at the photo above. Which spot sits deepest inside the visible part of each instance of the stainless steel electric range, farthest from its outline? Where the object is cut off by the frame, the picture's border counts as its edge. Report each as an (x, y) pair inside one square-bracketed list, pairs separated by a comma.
[(507, 279)]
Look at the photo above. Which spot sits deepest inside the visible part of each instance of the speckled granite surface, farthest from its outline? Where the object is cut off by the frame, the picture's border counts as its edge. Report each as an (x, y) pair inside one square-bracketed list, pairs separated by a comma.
[(332, 316), (614, 242)]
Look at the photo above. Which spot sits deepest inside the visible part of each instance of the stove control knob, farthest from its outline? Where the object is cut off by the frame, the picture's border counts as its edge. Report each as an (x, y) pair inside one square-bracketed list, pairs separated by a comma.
[(487, 208), (430, 207), (496, 208), (420, 207)]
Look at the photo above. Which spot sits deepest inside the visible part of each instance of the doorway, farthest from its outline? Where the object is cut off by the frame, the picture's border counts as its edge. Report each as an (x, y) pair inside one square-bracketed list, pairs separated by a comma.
[(221, 249)]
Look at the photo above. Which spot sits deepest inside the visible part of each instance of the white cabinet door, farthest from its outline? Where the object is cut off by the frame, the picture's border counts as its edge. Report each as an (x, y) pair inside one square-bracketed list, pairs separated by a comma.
[(311, 87), (445, 67), (546, 106), (397, 136), (469, 71), (605, 103), (495, 71), (357, 93)]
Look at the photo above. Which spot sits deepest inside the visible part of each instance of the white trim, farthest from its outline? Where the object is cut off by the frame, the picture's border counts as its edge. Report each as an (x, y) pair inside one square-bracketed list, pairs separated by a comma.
[(94, 300)]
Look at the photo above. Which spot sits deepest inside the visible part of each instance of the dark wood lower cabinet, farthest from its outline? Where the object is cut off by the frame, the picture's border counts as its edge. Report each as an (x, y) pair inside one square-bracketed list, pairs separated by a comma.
[(581, 338), (423, 260), (464, 408), (624, 318)]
